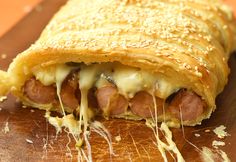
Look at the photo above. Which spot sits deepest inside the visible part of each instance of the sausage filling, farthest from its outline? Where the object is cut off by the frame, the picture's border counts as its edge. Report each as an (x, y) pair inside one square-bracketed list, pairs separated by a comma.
[(117, 90)]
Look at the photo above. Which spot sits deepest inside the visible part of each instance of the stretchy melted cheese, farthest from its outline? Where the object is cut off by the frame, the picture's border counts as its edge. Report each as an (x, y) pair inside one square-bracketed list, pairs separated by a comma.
[(128, 80)]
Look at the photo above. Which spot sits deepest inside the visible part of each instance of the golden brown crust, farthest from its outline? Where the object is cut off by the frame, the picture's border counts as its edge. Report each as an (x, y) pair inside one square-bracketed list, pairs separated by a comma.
[(5, 84), (190, 41)]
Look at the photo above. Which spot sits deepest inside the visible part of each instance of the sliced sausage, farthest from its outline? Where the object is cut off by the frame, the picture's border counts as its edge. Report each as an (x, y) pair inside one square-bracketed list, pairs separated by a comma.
[(142, 104), (39, 93), (92, 100), (110, 101), (70, 93), (187, 103)]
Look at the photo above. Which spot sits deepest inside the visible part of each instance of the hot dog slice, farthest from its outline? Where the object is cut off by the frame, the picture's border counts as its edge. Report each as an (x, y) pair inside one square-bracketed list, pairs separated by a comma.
[(186, 104)]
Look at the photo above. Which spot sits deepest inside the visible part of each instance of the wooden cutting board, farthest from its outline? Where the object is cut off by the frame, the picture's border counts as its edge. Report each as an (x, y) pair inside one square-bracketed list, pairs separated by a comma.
[(31, 138)]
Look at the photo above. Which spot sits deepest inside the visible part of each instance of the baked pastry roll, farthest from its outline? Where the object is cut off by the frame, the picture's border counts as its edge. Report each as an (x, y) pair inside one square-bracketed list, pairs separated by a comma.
[(130, 59)]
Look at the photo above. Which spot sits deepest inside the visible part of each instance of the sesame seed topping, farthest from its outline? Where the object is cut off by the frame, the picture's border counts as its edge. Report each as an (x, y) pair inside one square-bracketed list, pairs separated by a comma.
[(165, 29)]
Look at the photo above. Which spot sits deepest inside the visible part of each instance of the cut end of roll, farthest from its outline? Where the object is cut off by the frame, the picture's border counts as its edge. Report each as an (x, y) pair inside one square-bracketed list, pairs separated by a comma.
[(5, 83)]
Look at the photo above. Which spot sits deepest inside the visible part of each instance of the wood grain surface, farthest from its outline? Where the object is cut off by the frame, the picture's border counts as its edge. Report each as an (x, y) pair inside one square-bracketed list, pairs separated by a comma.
[(31, 138)]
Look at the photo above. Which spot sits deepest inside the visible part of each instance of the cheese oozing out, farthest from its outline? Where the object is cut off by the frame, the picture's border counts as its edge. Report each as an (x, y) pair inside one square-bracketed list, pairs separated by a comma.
[(128, 80)]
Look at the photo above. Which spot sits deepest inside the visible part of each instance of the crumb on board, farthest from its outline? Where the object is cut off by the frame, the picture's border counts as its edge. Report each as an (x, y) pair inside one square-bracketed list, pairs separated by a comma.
[(215, 143), (197, 135), (118, 138), (220, 131), (32, 110), (207, 130), (0, 109), (24, 106), (3, 56), (29, 141), (27, 8), (6, 128), (2, 98)]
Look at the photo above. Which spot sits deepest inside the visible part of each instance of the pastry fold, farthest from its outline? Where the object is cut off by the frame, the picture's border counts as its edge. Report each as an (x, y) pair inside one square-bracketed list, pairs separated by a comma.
[(187, 42)]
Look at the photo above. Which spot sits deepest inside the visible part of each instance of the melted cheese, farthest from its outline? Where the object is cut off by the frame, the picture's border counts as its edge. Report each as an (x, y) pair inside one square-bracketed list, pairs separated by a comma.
[(2, 98), (46, 75), (87, 78), (6, 128), (220, 131), (172, 146), (164, 87), (62, 71), (54, 121), (54, 74), (224, 156), (209, 155), (103, 80), (215, 143), (132, 80), (128, 81)]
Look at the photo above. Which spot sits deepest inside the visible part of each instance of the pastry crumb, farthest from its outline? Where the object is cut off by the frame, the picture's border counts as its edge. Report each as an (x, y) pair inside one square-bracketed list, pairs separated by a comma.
[(118, 138), (207, 130), (220, 132), (215, 143), (29, 141), (197, 135), (32, 110)]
